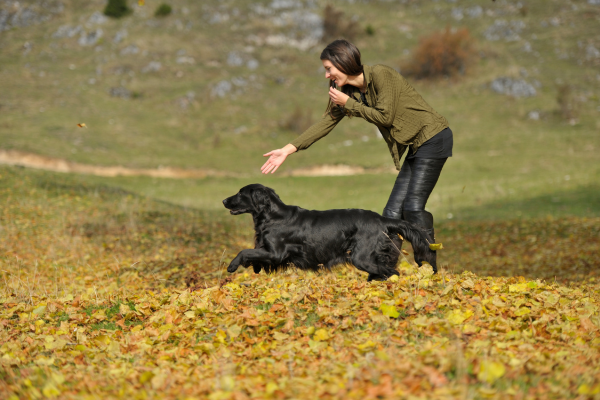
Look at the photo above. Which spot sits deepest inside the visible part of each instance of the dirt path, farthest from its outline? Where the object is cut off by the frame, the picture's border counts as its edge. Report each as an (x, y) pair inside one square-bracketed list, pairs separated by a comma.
[(30, 160)]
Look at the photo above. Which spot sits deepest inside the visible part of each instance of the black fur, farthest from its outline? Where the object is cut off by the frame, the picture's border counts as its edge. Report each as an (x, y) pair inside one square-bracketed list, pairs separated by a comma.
[(315, 240)]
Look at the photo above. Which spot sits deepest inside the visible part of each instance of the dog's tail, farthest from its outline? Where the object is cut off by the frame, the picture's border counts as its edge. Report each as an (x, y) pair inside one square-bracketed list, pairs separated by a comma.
[(418, 238)]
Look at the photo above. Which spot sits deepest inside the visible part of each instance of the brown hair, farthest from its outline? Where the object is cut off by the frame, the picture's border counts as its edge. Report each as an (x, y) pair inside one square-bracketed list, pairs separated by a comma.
[(346, 57)]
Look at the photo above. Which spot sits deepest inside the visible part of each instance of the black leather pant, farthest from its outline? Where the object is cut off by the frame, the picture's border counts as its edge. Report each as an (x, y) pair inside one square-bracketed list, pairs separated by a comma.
[(414, 184)]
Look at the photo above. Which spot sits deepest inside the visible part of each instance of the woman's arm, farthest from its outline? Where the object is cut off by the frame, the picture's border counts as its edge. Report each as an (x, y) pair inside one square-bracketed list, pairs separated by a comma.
[(304, 141), (388, 89)]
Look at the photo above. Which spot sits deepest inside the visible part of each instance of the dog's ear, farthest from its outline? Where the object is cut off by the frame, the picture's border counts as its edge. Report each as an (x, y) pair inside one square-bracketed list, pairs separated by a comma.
[(261, 200)]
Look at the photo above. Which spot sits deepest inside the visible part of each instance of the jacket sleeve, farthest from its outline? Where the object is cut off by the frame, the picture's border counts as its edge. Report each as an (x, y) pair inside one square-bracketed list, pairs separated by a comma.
[(318, 130), (384, 112)]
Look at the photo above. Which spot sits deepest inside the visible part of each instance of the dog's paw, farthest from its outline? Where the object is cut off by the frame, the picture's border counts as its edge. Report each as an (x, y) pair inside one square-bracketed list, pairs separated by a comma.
[(256, 269)]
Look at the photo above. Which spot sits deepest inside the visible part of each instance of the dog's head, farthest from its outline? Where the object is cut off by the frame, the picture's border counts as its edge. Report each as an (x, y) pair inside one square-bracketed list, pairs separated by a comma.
[(254, 199)]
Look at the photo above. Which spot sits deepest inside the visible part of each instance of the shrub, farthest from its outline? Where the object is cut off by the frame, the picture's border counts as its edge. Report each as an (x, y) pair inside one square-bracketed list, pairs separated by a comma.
[(117, 9), (336, 25), (163, 10), (369, 30), (568, 106), (444, 53), (298, 121)]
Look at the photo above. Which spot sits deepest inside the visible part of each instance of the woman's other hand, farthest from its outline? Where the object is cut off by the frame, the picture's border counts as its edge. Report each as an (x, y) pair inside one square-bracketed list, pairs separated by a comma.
[(276, 158), (338, 97)]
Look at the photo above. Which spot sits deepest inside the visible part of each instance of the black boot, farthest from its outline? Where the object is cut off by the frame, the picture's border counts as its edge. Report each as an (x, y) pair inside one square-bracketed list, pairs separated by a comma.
[(392, 214), (423, 219)]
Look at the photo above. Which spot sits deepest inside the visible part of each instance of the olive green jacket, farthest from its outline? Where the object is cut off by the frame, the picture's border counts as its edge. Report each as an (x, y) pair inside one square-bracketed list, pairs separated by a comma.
[(402, 116)]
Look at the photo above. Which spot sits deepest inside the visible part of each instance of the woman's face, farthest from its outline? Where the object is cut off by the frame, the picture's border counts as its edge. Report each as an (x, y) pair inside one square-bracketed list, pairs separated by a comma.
[(334, 74)]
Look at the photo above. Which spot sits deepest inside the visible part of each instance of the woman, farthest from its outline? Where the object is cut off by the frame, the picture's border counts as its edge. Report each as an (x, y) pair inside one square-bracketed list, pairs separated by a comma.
[(380, 95)]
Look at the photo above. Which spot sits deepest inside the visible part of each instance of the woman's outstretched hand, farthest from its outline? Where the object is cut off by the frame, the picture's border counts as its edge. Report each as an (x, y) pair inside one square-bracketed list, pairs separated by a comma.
[(276, 158)]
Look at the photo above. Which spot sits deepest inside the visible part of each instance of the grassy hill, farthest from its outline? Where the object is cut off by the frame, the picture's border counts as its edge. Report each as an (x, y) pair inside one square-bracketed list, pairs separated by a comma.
[(210, 86)]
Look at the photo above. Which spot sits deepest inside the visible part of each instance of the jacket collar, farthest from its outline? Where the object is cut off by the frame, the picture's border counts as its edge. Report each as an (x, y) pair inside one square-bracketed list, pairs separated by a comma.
[(367, 72)]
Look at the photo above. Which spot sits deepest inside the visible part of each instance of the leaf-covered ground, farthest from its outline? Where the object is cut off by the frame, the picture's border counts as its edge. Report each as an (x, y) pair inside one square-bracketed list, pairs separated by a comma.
[(109, 295)]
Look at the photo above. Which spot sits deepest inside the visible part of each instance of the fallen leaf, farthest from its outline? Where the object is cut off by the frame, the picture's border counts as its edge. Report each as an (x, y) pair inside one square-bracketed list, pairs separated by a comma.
[(436, 246), (389, 311), (82, 125), (457, 317), (490, 371)]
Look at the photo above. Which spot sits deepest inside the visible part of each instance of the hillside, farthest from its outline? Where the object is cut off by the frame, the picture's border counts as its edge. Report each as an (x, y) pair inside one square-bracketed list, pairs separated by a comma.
[(213, 85)]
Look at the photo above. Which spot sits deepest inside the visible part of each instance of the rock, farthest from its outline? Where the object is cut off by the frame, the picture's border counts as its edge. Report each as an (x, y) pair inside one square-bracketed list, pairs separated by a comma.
[(16, 14), (527, 47), (131, 49), (234, 59), (279, 4), (594, 2), (457, 14), (90, 39), (591, 52), (67, 31), (153, 66), (120, 35), (97, 18), (504, 30), (218, 18), (252, 64), (534, 115), (512, 87), (221, 89), (185, 60), (120, 92), (185, 101), (474, 12)]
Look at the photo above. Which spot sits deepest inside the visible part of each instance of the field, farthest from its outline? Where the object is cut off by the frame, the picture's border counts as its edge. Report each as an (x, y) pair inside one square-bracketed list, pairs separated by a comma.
[(111, 294), (116, 287)]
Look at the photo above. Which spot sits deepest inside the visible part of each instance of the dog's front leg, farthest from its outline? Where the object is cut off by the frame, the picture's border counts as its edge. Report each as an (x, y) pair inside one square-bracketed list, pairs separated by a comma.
[(251, 256)]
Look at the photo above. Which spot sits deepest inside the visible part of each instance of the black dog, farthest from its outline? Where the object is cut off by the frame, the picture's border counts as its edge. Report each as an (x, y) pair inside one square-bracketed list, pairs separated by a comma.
[(315, 240)]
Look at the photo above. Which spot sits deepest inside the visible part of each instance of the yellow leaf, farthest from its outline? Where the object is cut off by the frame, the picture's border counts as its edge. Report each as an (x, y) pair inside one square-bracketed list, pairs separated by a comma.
[(382, 355), (310, 330), (321, 335), (146, 376), (102, 340), (518, 288), (39, 310), (551, 300), (367, 346), (469, 329), (280, 336), (420, 321), (436, 246), (522, 311), (82, 125), (50, 390), (490, 371), (271, 387), (141, 2), (270, 295), (457, 317), (419, 302), (393, 278), (44, 361), (389, 311), (234, 331)]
